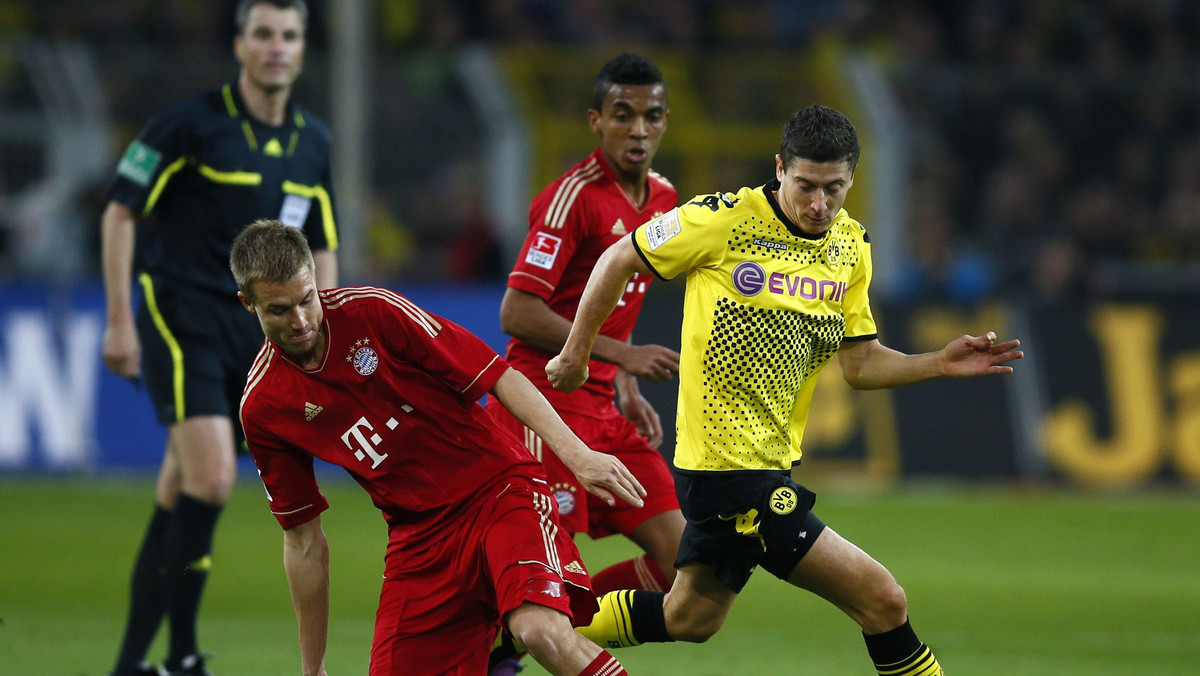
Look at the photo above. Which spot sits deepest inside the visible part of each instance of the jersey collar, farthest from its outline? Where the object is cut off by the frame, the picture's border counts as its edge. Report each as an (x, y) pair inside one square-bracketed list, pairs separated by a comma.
[(235, 105), (610, 176), (769, 191)]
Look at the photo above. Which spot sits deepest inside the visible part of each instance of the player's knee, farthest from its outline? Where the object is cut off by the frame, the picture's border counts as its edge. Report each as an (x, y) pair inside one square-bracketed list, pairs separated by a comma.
[(694, 628), (888, 608)]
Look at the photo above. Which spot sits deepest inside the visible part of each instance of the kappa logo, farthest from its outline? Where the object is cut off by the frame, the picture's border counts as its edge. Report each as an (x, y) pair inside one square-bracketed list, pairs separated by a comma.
[(619, 228), (364, 359), (311, 411), (575, 567)]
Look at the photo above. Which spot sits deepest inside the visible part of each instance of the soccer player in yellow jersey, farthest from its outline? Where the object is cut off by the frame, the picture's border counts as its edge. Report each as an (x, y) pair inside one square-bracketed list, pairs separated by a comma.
[(777, 280)]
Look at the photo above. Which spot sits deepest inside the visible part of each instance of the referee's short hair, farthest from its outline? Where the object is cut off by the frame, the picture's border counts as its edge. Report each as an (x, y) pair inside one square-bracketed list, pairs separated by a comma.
[(242, 16), (268, 251), (626, 68)]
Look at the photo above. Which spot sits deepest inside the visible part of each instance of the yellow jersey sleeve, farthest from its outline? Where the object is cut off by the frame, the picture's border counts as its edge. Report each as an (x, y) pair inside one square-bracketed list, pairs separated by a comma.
[(860, 323), (683, 239)]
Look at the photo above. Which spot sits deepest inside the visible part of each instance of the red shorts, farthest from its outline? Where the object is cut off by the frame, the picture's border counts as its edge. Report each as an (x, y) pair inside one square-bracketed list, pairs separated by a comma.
[(443, 599), (580, 511)]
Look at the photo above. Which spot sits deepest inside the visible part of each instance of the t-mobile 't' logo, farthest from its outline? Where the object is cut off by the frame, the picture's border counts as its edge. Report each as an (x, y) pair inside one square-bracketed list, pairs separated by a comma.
[(366, 445)]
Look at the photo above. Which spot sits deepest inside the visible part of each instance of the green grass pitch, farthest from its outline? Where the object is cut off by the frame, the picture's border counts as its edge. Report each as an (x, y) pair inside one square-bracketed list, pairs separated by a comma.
[(1000, 581)]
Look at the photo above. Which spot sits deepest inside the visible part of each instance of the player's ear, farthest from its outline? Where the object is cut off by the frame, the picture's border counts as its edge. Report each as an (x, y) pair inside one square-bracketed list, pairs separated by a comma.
[(593, 117), (246, 303)]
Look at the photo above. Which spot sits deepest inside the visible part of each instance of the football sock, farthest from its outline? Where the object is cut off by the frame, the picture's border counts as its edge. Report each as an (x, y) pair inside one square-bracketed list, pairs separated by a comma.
[(189, 544), (146, 605), (639, 573), (898, 652), (604, 665), (628, 618)]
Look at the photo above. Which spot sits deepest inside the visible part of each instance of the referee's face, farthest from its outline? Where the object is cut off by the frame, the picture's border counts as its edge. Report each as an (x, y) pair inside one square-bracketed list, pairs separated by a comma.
[(271, 48), (290, 315)]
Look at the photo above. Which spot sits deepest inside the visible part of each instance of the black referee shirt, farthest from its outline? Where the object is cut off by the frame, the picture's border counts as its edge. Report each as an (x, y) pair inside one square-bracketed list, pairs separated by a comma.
[(203, 169)]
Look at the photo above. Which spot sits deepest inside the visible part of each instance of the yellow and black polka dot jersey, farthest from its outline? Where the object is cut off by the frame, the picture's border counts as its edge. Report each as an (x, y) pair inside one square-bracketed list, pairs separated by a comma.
[(765, 308)]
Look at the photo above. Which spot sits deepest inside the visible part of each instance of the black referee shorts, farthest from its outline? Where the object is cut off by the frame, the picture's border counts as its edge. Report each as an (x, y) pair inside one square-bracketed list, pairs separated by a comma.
[(737, 521), (197, 348)]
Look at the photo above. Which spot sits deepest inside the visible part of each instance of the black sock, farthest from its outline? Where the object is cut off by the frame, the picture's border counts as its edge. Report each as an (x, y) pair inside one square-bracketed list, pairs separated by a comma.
[(189, 543), (900, 653), (647, 617), (146, 601)]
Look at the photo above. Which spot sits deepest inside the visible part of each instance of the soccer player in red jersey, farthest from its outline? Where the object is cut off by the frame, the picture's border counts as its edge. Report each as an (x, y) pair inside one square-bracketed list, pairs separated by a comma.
[(571, 223), (364, 379)]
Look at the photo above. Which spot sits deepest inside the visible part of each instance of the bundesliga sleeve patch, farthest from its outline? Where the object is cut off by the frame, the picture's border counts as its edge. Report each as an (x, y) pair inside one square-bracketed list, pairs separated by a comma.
[(543, 251), (139, 162), (662, 229)]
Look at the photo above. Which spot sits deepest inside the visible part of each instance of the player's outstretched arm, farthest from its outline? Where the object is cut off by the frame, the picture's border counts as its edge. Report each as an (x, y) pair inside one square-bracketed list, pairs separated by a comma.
[(306, 561), (569, 369), (601, 474), (868, 364)]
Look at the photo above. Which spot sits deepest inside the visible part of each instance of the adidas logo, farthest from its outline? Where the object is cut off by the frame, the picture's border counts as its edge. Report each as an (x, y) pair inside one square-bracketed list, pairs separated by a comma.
[(273, 148), (619, 228), (574, 567), (311, 410)]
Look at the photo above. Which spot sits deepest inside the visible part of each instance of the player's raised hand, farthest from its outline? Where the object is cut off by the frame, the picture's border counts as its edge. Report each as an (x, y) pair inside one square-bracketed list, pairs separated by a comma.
[(607, 478), (968, 356), (566, 374), (652, 362)]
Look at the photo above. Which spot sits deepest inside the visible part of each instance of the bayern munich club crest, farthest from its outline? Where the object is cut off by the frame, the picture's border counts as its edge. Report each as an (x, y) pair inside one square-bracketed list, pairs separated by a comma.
[(363, 357), (749, 278), (564, 495)]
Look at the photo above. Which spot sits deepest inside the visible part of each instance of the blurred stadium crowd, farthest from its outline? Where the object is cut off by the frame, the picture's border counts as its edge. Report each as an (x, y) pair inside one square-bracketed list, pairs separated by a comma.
[(1055, 145)]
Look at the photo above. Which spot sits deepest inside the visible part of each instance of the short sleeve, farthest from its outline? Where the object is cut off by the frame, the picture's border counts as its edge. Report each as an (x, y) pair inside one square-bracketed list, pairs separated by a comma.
[(856, 306), (287, 476), (549, 246), (442, 348), (321, 225), (151, 160), (682, 239)]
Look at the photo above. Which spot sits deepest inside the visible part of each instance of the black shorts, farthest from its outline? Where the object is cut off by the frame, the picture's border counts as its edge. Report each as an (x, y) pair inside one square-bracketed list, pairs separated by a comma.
[(738, 521), (197, 348)]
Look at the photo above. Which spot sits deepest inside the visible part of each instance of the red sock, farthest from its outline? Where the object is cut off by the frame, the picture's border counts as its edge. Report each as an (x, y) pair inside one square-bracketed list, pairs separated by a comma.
[(604, 665), (639, 573)]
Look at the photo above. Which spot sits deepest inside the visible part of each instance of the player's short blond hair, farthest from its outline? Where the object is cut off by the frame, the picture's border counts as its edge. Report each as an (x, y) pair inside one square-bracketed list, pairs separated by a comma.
[(268, 251)]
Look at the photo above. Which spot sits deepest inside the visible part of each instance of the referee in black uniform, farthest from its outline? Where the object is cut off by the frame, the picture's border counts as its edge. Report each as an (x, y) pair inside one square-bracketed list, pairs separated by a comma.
[(201, 171)]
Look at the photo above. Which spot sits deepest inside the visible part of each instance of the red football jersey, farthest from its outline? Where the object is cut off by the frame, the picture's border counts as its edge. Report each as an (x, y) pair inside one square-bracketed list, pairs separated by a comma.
[(571, 223), (394, 402)]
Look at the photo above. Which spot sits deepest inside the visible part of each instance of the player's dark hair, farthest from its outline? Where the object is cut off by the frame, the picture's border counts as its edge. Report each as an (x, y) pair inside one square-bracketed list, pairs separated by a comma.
[(268, 251), (242, 16), (625, 68), (820, 134)]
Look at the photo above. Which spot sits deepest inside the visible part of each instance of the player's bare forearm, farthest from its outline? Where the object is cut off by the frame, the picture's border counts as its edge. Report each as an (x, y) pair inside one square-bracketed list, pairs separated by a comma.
[(306, 561), (568, 370), (601, 474), (530, 320), (870, 365)]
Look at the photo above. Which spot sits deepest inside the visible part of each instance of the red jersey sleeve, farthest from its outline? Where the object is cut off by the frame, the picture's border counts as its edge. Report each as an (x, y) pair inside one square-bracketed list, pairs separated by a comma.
[(442, 348), (287, 475), (557, 224)]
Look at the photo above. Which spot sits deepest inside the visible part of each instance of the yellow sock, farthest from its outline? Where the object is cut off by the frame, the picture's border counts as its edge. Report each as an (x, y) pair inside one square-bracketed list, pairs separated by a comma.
[(612, 626)]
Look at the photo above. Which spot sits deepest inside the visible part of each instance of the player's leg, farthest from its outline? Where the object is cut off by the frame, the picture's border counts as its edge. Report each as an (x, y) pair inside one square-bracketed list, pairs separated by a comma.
[(693, 610), (202, 447), (547, 635), (655, 527), (841, 573), (146, 593)]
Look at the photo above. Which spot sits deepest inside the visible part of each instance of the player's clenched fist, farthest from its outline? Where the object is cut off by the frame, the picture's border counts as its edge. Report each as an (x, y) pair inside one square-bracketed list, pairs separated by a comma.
[(565, 374)]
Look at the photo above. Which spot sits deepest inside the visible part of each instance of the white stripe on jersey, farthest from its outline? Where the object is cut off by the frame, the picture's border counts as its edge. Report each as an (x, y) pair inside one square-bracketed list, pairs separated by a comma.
[(262, 363), (479, 375), (424, 319), (568, 190), (661, 179)]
